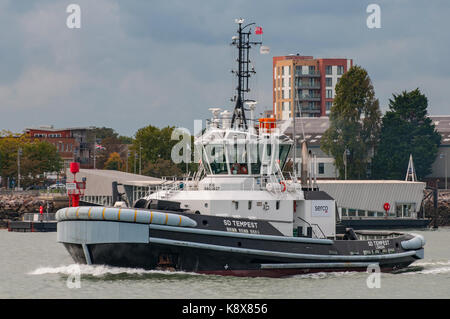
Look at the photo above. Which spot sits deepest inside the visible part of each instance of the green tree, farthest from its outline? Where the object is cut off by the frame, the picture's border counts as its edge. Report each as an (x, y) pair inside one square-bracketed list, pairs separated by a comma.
[(354, 124), (160, 168), (114, 162), (38, 157), (406, 129), (155, 142)]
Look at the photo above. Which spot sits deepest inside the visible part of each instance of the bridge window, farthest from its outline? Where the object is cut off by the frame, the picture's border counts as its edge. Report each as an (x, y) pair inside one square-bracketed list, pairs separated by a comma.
[(237, 154), (215, 155)]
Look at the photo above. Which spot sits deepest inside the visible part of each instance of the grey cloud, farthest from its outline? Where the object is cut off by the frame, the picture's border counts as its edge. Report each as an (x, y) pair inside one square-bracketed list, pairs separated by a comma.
[(135, 63)]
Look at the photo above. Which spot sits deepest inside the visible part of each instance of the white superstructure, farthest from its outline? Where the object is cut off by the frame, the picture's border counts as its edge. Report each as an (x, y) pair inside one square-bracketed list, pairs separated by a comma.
[(243, 179)]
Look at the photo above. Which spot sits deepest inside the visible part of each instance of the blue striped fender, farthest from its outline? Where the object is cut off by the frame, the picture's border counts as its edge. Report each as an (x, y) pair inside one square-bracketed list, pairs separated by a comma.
[(124, 215)]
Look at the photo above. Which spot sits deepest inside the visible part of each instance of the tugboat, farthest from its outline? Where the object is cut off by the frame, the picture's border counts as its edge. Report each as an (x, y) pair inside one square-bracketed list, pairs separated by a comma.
[(238, 216)]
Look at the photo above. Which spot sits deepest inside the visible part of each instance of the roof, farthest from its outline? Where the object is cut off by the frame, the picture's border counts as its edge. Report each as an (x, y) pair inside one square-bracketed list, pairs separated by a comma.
[(99, 182), (50, 128), (371, 195)]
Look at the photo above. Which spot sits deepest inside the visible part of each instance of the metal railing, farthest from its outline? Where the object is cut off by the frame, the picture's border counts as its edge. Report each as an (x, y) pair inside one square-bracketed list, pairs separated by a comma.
[(309, 74), (314, 226)]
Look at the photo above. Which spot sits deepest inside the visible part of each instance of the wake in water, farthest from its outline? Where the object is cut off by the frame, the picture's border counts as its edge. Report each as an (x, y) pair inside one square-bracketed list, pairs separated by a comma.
[(430, 268), (108, 272), (101, 272)]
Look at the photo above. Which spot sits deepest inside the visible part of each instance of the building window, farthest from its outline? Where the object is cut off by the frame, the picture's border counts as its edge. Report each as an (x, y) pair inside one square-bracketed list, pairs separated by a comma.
[(321, 168), (340, 69), (361, 213), (312, 69), (329, 81), (328, 105), (404, 210), (328, 69), (329, 94), (352, 212)]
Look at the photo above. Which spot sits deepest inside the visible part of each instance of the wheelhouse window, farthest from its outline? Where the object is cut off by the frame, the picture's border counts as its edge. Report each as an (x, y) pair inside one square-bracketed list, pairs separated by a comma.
[(284, 151), (237, 154), (215, 155)]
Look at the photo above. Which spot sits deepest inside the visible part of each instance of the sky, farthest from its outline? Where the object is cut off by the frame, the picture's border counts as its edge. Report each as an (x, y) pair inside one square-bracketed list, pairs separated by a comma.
[(135, 63)]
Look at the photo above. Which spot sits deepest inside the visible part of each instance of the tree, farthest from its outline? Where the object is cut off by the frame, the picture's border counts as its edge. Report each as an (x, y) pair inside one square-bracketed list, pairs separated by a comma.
[(354, 124), (38, 157), (110, 145), (406, 129), (114, 162), (155, 142), (161, 167)]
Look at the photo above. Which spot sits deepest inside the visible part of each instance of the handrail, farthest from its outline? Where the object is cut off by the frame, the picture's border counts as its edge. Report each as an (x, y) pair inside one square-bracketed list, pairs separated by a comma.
[(311, 225)]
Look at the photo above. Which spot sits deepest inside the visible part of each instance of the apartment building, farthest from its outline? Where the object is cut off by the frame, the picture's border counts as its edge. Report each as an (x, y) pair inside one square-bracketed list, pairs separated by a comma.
[(307, 83)]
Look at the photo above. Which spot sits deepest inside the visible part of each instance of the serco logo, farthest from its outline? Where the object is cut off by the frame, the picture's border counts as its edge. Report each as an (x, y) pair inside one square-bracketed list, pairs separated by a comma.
[(321, 208)]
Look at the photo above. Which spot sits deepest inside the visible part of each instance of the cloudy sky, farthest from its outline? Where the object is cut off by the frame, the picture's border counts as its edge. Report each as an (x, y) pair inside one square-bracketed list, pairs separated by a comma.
[(139, 62)]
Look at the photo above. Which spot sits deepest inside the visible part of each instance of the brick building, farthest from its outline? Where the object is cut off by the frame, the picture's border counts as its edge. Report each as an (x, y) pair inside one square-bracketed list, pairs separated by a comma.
[(306, 82), (73, 144)]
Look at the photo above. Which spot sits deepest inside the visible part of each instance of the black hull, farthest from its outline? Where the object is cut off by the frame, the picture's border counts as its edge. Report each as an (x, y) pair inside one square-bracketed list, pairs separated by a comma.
[(162, 257), (221, 253), (376, 224)]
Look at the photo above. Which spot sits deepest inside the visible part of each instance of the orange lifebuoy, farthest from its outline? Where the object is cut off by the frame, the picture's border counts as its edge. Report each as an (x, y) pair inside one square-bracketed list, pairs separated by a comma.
[(284, 186)]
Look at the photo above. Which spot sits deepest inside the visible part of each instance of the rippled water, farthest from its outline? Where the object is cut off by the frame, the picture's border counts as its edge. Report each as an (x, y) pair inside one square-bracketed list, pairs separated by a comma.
[(34, 265)]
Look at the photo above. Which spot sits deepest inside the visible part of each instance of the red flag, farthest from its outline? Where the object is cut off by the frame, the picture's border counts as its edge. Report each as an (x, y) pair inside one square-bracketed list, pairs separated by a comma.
[(258, 30)]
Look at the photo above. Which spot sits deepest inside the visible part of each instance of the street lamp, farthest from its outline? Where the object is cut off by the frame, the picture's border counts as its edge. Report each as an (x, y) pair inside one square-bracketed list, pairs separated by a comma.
[(444, 156), (19, 154), (140, 159), (128, 155), (344, 155)]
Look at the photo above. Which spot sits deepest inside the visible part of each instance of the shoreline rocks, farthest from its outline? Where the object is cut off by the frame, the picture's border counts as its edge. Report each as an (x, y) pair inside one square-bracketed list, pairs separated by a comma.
[(14, 205), (443, 210)]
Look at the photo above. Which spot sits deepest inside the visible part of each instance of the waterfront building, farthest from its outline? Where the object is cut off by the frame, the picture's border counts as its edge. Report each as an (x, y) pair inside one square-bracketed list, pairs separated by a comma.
[(307, 83), (314, 128), (76, 144), (441, 166)]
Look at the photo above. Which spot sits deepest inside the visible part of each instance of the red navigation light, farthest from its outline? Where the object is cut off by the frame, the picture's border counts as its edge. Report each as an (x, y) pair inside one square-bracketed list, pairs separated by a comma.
[(74, 167)]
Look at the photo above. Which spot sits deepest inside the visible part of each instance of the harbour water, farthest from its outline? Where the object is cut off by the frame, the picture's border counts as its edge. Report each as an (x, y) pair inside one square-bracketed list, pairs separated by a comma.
[(34, 265)]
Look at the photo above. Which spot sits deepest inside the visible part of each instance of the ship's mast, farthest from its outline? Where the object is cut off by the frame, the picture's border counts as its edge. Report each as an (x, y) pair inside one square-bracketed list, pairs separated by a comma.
[(243, 73)]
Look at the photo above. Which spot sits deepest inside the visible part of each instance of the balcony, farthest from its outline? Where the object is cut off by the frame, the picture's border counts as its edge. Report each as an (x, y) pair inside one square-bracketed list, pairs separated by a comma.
[(307, 85), (314, 98), (310, 74), (310, 109)]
